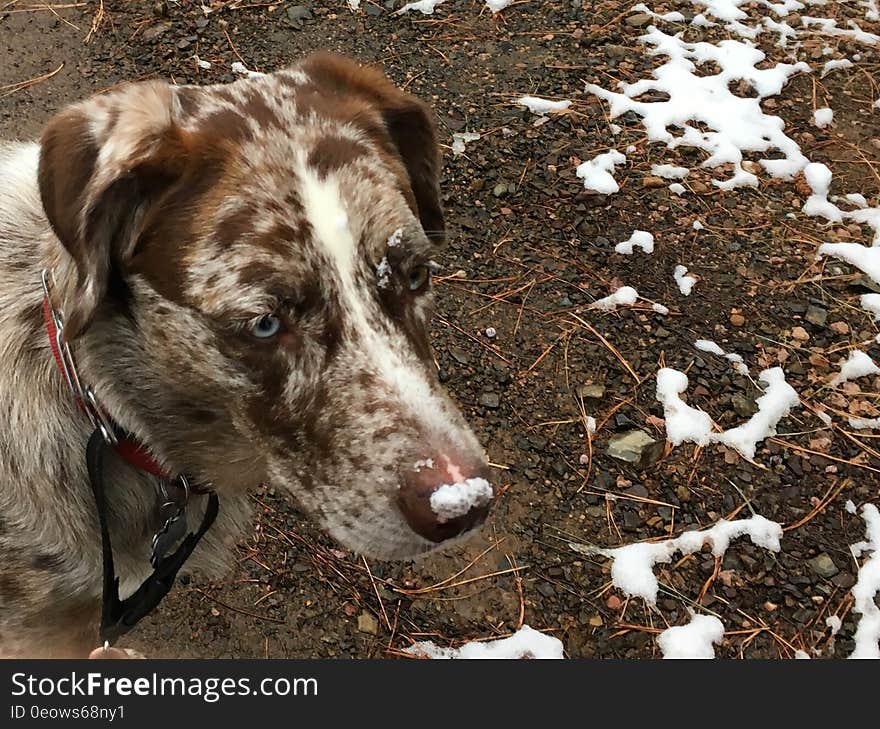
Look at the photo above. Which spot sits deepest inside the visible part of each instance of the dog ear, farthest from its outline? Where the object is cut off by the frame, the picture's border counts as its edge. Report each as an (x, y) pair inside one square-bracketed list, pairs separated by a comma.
[(408, 121), (103, 162)]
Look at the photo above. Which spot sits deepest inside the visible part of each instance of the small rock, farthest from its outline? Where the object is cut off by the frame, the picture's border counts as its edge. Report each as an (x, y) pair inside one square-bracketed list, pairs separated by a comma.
[(460, 355), (823, 566), (816, 315), (596, 621), (799, 334), (638, 20), (296, 14), (652, 181), (546, 589), (499, 190), (839, 327), (737, 319), (368, 624), (591, 392), (636, 447), (490, 400)]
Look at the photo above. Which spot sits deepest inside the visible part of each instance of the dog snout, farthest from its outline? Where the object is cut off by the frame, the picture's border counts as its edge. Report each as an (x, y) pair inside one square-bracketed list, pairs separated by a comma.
[(440, 498)]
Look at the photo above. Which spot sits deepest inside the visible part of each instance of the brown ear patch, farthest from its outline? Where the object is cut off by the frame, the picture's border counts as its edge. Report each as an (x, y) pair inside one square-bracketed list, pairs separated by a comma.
[(408, 122), (103, 162)]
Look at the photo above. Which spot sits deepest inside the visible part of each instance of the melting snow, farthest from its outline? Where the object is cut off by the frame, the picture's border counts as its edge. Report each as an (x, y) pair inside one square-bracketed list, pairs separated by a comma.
[(864, 423), (537, 105), (624, 296), (426, 7), (525, 643), (868, 585), (670, 172), (693, 640), (683, 422), (819, 179), (835, 64), (685, 283), (823, 117), (707, 345), (857, 365), (496, 6), (687, 424), (737, 124), (596, 173), (633, 568), (640, 238), (459, 139)]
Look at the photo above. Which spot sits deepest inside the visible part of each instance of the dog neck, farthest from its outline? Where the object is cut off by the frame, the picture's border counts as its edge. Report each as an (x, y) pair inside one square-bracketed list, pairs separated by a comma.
[(128, 447)]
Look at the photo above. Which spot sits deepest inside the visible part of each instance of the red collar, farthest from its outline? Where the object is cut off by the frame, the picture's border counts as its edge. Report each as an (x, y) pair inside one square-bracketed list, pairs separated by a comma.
[(131, 449)]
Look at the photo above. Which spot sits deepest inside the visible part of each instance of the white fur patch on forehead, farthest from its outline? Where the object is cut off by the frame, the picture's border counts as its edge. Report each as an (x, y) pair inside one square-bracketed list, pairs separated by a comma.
[(326, 213)]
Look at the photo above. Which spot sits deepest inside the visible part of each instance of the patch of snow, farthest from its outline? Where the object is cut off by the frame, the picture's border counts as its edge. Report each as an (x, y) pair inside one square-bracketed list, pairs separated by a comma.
[(683, 422), (862, 257), (867, 636), (697, 225), (633, 567), (857, 365), (537, 105), (835, 64), (819, 179), (459, 139), (525, 643), (240, 69), (496, 6), (737, 124), (624, 296), (425, 7), (660, 309), (694, 640), (800, 655), (670, 172), (452, 500), (776, 402), (202, 64), (850, 507), (671, 17), (383, 273), (677, 188), (833, 622), (823, 117), (857, 199), (591, 424), (707, 345), (596, 173), (864, 423), (354, 4), (685, 282), (640, 238)]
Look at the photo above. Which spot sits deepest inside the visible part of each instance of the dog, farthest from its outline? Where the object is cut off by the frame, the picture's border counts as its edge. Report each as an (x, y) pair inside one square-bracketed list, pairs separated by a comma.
[(243, 277)]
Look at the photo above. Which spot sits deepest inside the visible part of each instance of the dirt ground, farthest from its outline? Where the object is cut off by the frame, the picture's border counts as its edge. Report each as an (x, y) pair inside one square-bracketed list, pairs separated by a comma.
[(529, 249)]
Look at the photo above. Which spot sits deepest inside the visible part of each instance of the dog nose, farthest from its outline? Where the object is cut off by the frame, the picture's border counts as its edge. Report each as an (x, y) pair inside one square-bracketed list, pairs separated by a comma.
[(441, 500)]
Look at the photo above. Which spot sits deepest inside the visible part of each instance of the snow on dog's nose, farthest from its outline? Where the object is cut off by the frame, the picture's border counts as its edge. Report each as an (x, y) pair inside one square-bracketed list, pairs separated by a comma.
[(441, 498)]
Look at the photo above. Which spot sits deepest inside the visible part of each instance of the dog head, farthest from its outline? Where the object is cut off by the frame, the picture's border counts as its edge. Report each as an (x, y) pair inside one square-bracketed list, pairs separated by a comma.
[(247, 284)]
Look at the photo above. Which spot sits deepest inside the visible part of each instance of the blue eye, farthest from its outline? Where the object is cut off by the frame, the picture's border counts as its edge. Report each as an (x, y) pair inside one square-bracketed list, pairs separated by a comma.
[(419, 277), (266, 326)]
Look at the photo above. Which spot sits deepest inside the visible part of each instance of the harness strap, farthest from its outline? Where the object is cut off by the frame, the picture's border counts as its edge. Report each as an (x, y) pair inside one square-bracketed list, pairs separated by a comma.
[(118, 617)]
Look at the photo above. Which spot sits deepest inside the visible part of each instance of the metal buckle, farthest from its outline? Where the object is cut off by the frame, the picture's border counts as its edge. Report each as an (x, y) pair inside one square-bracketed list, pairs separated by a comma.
[(86, 395), (174, 527)]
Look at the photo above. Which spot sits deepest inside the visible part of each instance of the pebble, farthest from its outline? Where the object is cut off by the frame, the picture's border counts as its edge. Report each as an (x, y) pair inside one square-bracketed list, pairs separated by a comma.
[(816, 315), (636, 447), (368, 624), (823, 566), (737, 319), (638, 20), (490, 400), (591, 392)]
